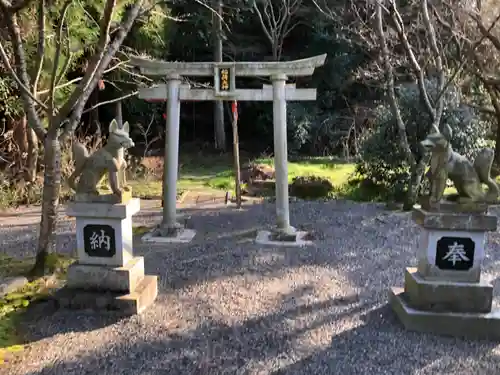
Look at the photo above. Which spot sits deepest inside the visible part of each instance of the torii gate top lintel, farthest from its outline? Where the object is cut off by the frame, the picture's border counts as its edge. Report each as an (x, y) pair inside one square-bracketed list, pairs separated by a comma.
[(295, 68)]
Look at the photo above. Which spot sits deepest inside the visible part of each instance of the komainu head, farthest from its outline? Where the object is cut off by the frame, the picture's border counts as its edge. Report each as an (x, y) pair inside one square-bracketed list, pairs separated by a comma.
[(119, 136)]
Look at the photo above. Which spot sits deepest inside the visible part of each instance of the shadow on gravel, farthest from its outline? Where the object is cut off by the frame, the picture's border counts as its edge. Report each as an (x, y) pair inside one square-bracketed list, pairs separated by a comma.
[(354, 242), (382, 346), (33, 321), (21, 241), (214, 347), (266, 344)]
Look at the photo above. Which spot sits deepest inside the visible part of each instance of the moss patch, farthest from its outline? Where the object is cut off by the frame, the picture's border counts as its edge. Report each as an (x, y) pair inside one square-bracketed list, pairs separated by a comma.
[(140, 230), (13, 305)]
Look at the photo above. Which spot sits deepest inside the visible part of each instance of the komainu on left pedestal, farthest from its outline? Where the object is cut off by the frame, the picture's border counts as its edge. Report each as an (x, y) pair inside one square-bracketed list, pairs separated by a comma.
[(90, 169)]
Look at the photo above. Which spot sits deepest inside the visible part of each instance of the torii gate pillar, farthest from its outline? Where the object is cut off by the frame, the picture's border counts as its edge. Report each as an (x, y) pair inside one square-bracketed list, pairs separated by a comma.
[(171, 164), (280, 154)]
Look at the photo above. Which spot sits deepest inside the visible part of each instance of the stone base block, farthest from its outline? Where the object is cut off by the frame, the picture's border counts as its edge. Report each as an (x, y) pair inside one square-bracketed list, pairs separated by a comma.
[(265, 237), (104, 278), (470, 325), (182, 236), (452, 221), (446, 255), (441, 296), (453, 207), (132, 303)]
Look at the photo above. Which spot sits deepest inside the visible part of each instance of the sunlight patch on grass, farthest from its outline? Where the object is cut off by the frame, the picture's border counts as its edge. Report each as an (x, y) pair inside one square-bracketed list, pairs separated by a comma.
[(337, 173), (215, 172)]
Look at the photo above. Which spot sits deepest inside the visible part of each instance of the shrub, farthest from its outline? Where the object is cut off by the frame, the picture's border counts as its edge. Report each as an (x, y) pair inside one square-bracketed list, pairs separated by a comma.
[(383, 165), (311, 187)]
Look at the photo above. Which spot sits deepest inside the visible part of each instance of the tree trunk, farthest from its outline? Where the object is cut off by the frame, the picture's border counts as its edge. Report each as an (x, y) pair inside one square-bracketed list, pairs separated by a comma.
[(32, 160), (417, 173), (495, 102), (276, 54), (50, 203), (219, 130), (27, 144), (19, 130)]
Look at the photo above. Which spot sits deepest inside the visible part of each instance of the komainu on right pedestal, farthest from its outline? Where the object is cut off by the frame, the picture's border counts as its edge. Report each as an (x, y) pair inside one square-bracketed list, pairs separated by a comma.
[(445, 293)]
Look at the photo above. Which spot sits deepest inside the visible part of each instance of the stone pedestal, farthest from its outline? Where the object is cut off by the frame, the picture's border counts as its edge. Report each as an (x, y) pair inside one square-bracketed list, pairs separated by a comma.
[(445, 294), (107, 275), (280, 238)]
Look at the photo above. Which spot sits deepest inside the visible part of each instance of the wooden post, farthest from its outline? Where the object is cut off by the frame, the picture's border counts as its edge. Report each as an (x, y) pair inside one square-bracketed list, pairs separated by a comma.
[(236, 151), (119, 119), (219, 130)]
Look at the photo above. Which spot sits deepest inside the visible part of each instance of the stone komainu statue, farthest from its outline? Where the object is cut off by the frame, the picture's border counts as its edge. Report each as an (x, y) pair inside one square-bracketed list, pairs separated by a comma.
[(90, 169), (467, 177)]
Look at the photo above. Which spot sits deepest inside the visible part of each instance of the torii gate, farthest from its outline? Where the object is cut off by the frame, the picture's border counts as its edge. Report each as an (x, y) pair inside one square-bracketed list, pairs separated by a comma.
[(225, 74)]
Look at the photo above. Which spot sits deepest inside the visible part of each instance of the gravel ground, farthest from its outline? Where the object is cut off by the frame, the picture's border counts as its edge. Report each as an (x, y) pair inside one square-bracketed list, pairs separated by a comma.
[(228, 306)]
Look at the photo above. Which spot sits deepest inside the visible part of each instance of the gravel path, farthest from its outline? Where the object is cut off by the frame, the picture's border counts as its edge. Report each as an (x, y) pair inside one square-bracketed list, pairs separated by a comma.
[(228, 306)]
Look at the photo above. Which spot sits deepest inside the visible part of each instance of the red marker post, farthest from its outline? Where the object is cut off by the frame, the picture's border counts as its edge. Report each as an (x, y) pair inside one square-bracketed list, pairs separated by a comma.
[(236, 151)]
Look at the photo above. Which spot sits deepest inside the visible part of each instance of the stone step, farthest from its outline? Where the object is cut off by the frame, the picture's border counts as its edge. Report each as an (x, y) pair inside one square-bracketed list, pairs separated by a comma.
[(143, 296), (442, 296), (470, 325), (132, 303), (100, 277)]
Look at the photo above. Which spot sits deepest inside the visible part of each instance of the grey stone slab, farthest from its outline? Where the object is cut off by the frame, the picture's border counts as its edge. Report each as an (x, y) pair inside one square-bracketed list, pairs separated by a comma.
[(98, 277), (143, 296), (455, 221), (299, 239), (132, 303), (442, 296), (454, 207), (11, 284), (469, 325), (104, 210)]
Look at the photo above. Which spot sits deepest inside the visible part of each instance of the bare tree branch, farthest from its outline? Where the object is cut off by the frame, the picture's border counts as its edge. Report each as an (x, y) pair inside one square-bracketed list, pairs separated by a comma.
[(486, 31), (276, 23), (57, 56), (94, 64), (390, 84), (262, 23), (21, 75), (108, 55), (471, 51), (431, 36), (398, 25), (67, 62), (118, 65), (111, 101), (14, 75), (40, 55)]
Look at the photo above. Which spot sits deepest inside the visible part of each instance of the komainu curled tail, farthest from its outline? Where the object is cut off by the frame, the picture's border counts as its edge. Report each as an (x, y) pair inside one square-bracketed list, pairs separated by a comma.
[(80, 156), (482, 165)]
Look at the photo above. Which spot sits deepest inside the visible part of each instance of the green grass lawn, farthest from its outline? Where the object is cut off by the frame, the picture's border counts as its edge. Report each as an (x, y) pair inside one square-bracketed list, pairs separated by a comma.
[(216, 173)]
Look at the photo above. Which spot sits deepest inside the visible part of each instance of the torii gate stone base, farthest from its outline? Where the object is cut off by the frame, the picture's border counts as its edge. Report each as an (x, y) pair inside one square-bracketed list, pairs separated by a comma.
[(170, 230)]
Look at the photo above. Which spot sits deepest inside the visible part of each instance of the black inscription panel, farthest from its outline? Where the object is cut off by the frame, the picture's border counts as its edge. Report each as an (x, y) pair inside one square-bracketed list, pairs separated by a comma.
[(455, 253), (99, 240)]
